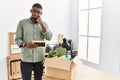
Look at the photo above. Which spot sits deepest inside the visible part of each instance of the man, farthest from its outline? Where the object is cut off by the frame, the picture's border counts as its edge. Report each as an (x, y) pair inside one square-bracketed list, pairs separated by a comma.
[(29, 30)]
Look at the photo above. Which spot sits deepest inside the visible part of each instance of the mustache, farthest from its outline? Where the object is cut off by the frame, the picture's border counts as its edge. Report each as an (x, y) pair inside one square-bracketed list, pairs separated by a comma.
[(35, 17)]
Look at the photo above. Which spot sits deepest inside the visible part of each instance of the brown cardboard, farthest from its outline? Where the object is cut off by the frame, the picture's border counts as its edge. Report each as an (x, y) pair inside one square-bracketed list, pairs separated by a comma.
[(52, 78), (59, 68), (59, 73), (58, 63)]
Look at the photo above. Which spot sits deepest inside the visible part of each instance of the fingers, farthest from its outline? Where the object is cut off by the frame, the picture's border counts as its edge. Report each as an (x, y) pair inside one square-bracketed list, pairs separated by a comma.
[(30, 45), (39, 20)]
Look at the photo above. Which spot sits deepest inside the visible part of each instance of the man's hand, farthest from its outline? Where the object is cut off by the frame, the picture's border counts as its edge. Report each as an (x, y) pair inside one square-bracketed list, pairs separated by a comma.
[(39, 20), (30, 45)]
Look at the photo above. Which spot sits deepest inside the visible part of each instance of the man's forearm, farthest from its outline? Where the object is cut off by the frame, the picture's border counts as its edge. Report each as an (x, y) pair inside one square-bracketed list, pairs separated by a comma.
[(43, 28)]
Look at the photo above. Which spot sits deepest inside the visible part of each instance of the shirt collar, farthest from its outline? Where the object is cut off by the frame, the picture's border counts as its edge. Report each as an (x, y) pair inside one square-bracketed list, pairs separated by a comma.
[(30, 21)]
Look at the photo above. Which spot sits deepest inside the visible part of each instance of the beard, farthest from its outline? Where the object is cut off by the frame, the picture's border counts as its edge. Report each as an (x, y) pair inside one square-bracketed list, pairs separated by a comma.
[(33, 19)]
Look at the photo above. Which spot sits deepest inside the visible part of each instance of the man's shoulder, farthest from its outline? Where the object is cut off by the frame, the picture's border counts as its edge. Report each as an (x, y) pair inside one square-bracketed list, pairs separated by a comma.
[(24, 20)]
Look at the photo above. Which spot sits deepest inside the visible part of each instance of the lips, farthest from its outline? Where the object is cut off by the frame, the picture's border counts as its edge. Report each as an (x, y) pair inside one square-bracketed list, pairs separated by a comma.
[(34, 17)]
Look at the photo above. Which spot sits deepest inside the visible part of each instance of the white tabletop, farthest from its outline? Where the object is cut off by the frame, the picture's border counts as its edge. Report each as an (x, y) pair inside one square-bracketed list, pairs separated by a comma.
[(87, 73)]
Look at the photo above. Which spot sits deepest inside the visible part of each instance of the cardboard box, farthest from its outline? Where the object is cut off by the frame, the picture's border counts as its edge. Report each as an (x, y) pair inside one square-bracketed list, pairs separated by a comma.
[(58, 68), (58, 63), (52, 78)]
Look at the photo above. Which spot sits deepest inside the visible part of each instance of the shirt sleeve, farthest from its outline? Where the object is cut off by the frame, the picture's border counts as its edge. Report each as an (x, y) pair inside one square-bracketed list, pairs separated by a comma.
[(19, 34), (48, 34)]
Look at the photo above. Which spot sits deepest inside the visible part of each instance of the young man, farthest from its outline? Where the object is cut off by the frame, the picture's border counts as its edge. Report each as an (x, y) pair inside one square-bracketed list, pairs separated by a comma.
[(29, 30)]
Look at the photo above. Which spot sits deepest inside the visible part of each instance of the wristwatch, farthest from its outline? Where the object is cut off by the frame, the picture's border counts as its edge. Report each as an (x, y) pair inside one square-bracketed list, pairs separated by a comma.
[(23, 44)]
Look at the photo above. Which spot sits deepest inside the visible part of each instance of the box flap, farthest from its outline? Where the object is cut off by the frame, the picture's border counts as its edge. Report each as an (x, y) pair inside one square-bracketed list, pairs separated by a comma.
[(77, 61)]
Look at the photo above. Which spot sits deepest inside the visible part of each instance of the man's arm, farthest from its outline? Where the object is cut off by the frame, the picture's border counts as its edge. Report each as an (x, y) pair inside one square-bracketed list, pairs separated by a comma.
[(19, 38), (39, 20), (19, 35), (46, 31)]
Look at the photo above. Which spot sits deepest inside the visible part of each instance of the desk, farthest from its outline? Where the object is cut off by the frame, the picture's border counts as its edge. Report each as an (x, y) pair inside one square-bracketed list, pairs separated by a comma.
[(13, 65), (87, 73)]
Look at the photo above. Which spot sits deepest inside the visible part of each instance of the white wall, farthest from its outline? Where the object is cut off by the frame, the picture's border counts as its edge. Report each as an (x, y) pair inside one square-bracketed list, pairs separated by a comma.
[(57, 13), (62, 17), (110, 37)]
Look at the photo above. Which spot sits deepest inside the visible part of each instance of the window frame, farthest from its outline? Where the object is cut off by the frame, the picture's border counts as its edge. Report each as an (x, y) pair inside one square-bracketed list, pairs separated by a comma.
[(87, 36)]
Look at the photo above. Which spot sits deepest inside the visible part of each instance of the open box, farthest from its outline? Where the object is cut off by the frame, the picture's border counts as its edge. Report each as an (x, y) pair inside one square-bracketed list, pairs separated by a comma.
[(52, 78), (58, 68)]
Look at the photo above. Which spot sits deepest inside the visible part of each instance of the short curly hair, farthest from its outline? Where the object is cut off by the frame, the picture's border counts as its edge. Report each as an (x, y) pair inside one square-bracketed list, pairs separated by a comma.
[(37, 5)]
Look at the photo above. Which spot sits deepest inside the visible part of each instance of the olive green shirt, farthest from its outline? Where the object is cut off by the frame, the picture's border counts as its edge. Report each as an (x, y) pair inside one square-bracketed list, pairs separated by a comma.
[(27, 31)]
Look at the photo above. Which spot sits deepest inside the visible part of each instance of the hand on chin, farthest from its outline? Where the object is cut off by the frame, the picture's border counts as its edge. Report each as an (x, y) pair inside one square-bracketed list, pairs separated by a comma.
[(34, 19)]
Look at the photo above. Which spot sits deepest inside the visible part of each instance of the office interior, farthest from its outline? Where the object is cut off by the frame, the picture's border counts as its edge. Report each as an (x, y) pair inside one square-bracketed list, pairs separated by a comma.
[(62, 16)]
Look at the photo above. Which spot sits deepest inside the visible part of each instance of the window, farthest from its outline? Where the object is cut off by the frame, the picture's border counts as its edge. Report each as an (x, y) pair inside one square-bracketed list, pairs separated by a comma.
[(89, 29)]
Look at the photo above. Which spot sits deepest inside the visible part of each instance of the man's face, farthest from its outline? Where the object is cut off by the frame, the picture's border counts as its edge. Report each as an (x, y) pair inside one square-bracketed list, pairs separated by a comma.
[(35, 12)]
